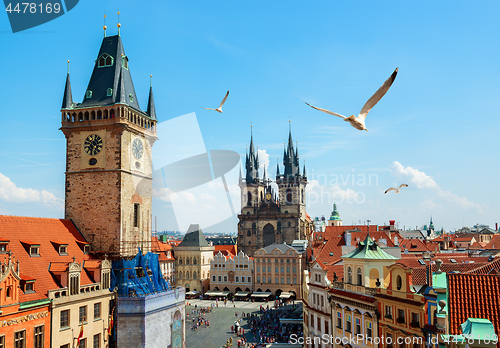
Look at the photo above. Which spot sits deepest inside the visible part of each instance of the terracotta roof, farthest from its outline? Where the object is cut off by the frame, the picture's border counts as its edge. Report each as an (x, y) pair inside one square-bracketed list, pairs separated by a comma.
[(473, 296), (92, 264), (489, 268), (494, 243), (361, 228), (337, 270), (162, 249), (478, 245), (232, 249), (224, 252), (331, 251), (414, 245), (42, 231)]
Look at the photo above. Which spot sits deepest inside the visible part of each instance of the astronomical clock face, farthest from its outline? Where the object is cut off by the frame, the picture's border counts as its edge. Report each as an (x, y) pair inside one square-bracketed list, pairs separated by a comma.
[(137, 148), (92, 145), (268, 196)]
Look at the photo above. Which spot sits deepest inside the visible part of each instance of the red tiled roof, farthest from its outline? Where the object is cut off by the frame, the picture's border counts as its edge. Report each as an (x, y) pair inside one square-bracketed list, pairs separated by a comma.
[(473, 296), (162, 249), (42, 230), (414, 245), (92, 264), (494, 243), (333, 245), (232, 249), (489, 268), (478, 245), (333, 270)]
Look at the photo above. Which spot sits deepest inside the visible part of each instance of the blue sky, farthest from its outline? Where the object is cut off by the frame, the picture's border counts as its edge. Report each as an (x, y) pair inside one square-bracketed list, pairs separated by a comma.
[(436, 129)]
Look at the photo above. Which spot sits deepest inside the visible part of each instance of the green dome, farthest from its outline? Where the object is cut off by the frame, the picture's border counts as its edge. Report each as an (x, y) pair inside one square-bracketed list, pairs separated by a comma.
[(335, 214)]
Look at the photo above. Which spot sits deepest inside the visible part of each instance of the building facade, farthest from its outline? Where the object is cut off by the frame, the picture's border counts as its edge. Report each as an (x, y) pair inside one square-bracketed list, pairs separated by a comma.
[(233, 273), (166, 259), (278, 268), (108, 156), (268, 217), (193, 256)]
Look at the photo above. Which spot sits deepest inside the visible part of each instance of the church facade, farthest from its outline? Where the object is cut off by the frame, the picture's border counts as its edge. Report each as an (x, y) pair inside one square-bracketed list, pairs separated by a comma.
[(269, 217)]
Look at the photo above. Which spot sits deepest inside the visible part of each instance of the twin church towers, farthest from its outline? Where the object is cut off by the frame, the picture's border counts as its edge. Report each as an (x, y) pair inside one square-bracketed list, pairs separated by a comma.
[(108, 177)]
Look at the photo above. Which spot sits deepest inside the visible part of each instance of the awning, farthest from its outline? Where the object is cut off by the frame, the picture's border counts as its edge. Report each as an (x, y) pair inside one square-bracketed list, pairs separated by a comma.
[(241, 294), (217, 293), (261, 294), (194, 292), (291, 321), (286, 294)]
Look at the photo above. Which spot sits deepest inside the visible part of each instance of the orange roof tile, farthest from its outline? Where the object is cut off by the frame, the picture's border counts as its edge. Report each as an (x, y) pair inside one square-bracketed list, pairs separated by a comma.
[(42, 230), (494, 243), (489, 268), (230, 248), (414, 245), (473, 296)]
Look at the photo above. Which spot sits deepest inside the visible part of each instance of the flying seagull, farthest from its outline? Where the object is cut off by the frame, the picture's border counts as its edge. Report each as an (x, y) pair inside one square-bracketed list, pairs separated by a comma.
[(395, 189), (359, 122), (219, 109)]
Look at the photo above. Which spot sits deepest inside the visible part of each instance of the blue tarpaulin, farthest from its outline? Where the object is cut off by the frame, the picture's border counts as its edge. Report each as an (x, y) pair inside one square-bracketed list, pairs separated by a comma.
[(138, 277)]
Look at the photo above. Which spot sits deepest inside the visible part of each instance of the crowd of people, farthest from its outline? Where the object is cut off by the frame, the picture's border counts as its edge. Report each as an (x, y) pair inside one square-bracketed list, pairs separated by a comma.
[(263, 327)]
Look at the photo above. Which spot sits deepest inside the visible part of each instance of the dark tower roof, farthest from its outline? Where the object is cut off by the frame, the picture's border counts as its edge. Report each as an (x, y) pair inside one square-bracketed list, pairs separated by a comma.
[(252, 164), (277, 171), (68, 96), (111, 73), (194, 237), (151, 104), (291, 159)]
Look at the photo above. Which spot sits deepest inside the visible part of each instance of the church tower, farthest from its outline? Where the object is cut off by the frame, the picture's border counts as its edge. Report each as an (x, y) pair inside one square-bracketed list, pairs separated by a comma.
[(108, 156), (268, 217)]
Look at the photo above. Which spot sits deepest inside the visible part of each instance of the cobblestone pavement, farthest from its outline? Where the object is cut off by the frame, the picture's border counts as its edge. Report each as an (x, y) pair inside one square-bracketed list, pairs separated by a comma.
[(221, 319)]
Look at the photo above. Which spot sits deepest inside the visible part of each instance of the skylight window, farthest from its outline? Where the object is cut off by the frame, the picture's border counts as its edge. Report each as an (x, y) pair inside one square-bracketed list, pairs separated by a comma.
[(422, 262), (331, 254), (453, 261), (104, 61)]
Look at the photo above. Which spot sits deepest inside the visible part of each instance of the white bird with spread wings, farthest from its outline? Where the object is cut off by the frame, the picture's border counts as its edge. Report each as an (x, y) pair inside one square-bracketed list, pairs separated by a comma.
[(219, 109), (359, 122), (395, 188)]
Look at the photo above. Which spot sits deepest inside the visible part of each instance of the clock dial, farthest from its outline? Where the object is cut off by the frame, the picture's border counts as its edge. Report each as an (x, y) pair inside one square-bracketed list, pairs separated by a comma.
[(92, 145), (268, 196), (137, 149)]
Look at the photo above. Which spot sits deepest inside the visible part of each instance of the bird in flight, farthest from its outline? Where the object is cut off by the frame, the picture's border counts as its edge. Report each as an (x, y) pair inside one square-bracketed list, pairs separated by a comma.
[(219, 109), (359, 122), (395, 188)]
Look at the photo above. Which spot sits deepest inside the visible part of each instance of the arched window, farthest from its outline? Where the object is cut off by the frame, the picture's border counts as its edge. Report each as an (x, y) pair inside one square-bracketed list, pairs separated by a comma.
[(105, 60), (399, 282), (249, 197), (109, 92), (249, 233), (289, 196), (289, 224), (194, 275), (360, 277), (187, 275), (349, 275), (249, 242), (302, 195), (203, 259)]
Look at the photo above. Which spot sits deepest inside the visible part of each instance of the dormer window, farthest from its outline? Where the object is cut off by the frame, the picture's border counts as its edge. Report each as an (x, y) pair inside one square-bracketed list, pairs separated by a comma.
[(125, 62), (63, 250), (131, 98), (88, 94), (3, 246), (109, 92), (29, 287), (34, 250), (86, 249), (105, 60)]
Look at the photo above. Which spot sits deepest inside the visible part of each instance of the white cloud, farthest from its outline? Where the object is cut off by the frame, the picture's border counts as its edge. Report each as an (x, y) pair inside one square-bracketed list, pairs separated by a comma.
[(421, 180), (412, 175), (10, 192), (320, 194), (263, 161)]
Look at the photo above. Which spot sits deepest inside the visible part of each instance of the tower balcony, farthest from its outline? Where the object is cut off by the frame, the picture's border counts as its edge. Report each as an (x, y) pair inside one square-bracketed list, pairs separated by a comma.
[(106, 115)]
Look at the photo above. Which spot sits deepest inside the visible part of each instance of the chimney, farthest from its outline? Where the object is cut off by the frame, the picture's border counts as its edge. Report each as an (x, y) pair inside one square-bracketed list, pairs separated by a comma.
[(347, 238), (392, 227), (496, 226)]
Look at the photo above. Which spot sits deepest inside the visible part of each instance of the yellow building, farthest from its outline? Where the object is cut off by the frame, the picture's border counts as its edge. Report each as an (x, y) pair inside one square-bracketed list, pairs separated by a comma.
[(193, 261), (402, 311), (352, 300)]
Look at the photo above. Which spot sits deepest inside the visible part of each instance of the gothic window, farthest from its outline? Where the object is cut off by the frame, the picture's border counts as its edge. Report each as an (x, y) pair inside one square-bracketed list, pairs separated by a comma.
[(249, 233), (249, 194), (105, 60), (360, 277), (289, 224), (302, 195), (399, 282), (109, 92), (289, 196), (194, 275), (136, 214), (349, 275), (249, 242)]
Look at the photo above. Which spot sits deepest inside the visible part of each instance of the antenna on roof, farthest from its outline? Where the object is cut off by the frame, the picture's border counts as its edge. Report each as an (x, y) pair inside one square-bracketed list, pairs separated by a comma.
[(118, 25), (105, 27)]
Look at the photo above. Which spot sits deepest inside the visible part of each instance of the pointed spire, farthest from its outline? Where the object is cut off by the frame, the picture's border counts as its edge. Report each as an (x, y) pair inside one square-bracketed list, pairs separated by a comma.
[(252, 161), (105, 27), (151, 111), (119, 25), (304, 173), (68, 96), (239, 180), (265, 175), (277, 169)]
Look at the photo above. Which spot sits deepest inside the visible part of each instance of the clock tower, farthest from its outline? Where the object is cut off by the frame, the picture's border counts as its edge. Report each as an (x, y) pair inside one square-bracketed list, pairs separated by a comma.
[(108, 157)]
